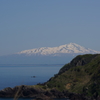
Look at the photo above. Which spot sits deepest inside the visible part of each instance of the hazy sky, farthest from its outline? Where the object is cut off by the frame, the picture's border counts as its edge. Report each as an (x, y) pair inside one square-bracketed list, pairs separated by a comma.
[(27, 24)]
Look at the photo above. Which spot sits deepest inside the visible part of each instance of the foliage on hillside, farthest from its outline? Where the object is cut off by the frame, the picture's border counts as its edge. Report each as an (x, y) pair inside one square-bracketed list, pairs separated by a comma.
[(81, 75)]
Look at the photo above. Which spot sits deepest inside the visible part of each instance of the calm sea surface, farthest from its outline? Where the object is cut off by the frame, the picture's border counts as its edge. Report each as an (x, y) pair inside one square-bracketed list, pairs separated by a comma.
[(14, 75)]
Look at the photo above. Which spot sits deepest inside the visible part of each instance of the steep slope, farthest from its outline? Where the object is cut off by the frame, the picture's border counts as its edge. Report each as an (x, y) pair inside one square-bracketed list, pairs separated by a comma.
[(55, 51), (81, 75), (78, 80)]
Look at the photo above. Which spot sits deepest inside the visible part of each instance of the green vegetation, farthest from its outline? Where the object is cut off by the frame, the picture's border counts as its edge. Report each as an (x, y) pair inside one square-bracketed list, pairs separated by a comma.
[(81, 75)]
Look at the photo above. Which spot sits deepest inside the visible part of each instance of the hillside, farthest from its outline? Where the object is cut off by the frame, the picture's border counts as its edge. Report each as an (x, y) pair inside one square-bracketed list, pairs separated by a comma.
[(81, 75), (77, 80)]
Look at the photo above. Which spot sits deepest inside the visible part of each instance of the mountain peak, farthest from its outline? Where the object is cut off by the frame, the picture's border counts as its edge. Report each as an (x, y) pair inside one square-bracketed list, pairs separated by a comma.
[(63, 49), (70, 45)]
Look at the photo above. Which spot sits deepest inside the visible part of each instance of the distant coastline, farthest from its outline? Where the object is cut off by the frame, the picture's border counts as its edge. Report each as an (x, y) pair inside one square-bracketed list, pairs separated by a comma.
[(30, 65)]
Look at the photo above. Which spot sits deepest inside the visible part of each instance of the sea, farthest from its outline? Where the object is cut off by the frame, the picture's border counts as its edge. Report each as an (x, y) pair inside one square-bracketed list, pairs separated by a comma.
[(26, 74)]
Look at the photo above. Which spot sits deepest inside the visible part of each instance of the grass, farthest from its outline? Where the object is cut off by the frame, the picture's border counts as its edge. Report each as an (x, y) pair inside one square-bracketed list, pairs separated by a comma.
[(79, 74)]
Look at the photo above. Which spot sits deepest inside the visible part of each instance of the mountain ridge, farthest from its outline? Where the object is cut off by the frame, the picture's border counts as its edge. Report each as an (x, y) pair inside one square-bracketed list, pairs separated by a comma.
[(47, 55), (63, 49)]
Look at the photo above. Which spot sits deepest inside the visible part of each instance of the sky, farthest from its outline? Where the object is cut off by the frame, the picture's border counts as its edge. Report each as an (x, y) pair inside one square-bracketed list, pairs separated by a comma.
[(28, 24)]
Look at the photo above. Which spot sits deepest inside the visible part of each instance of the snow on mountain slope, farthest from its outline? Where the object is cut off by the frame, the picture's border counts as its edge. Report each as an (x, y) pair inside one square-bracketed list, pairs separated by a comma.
[(63, 49)]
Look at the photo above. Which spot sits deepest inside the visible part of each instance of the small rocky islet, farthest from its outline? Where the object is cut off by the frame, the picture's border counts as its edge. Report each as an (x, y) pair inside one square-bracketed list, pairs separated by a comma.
[(77, 80)]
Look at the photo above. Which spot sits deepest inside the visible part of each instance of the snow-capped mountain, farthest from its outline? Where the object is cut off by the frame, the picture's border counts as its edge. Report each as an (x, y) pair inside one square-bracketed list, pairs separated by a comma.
[(47, 55), (71, 48)]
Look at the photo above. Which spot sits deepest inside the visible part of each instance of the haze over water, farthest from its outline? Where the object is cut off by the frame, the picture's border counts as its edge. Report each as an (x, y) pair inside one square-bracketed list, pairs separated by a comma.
[(13, 75)]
